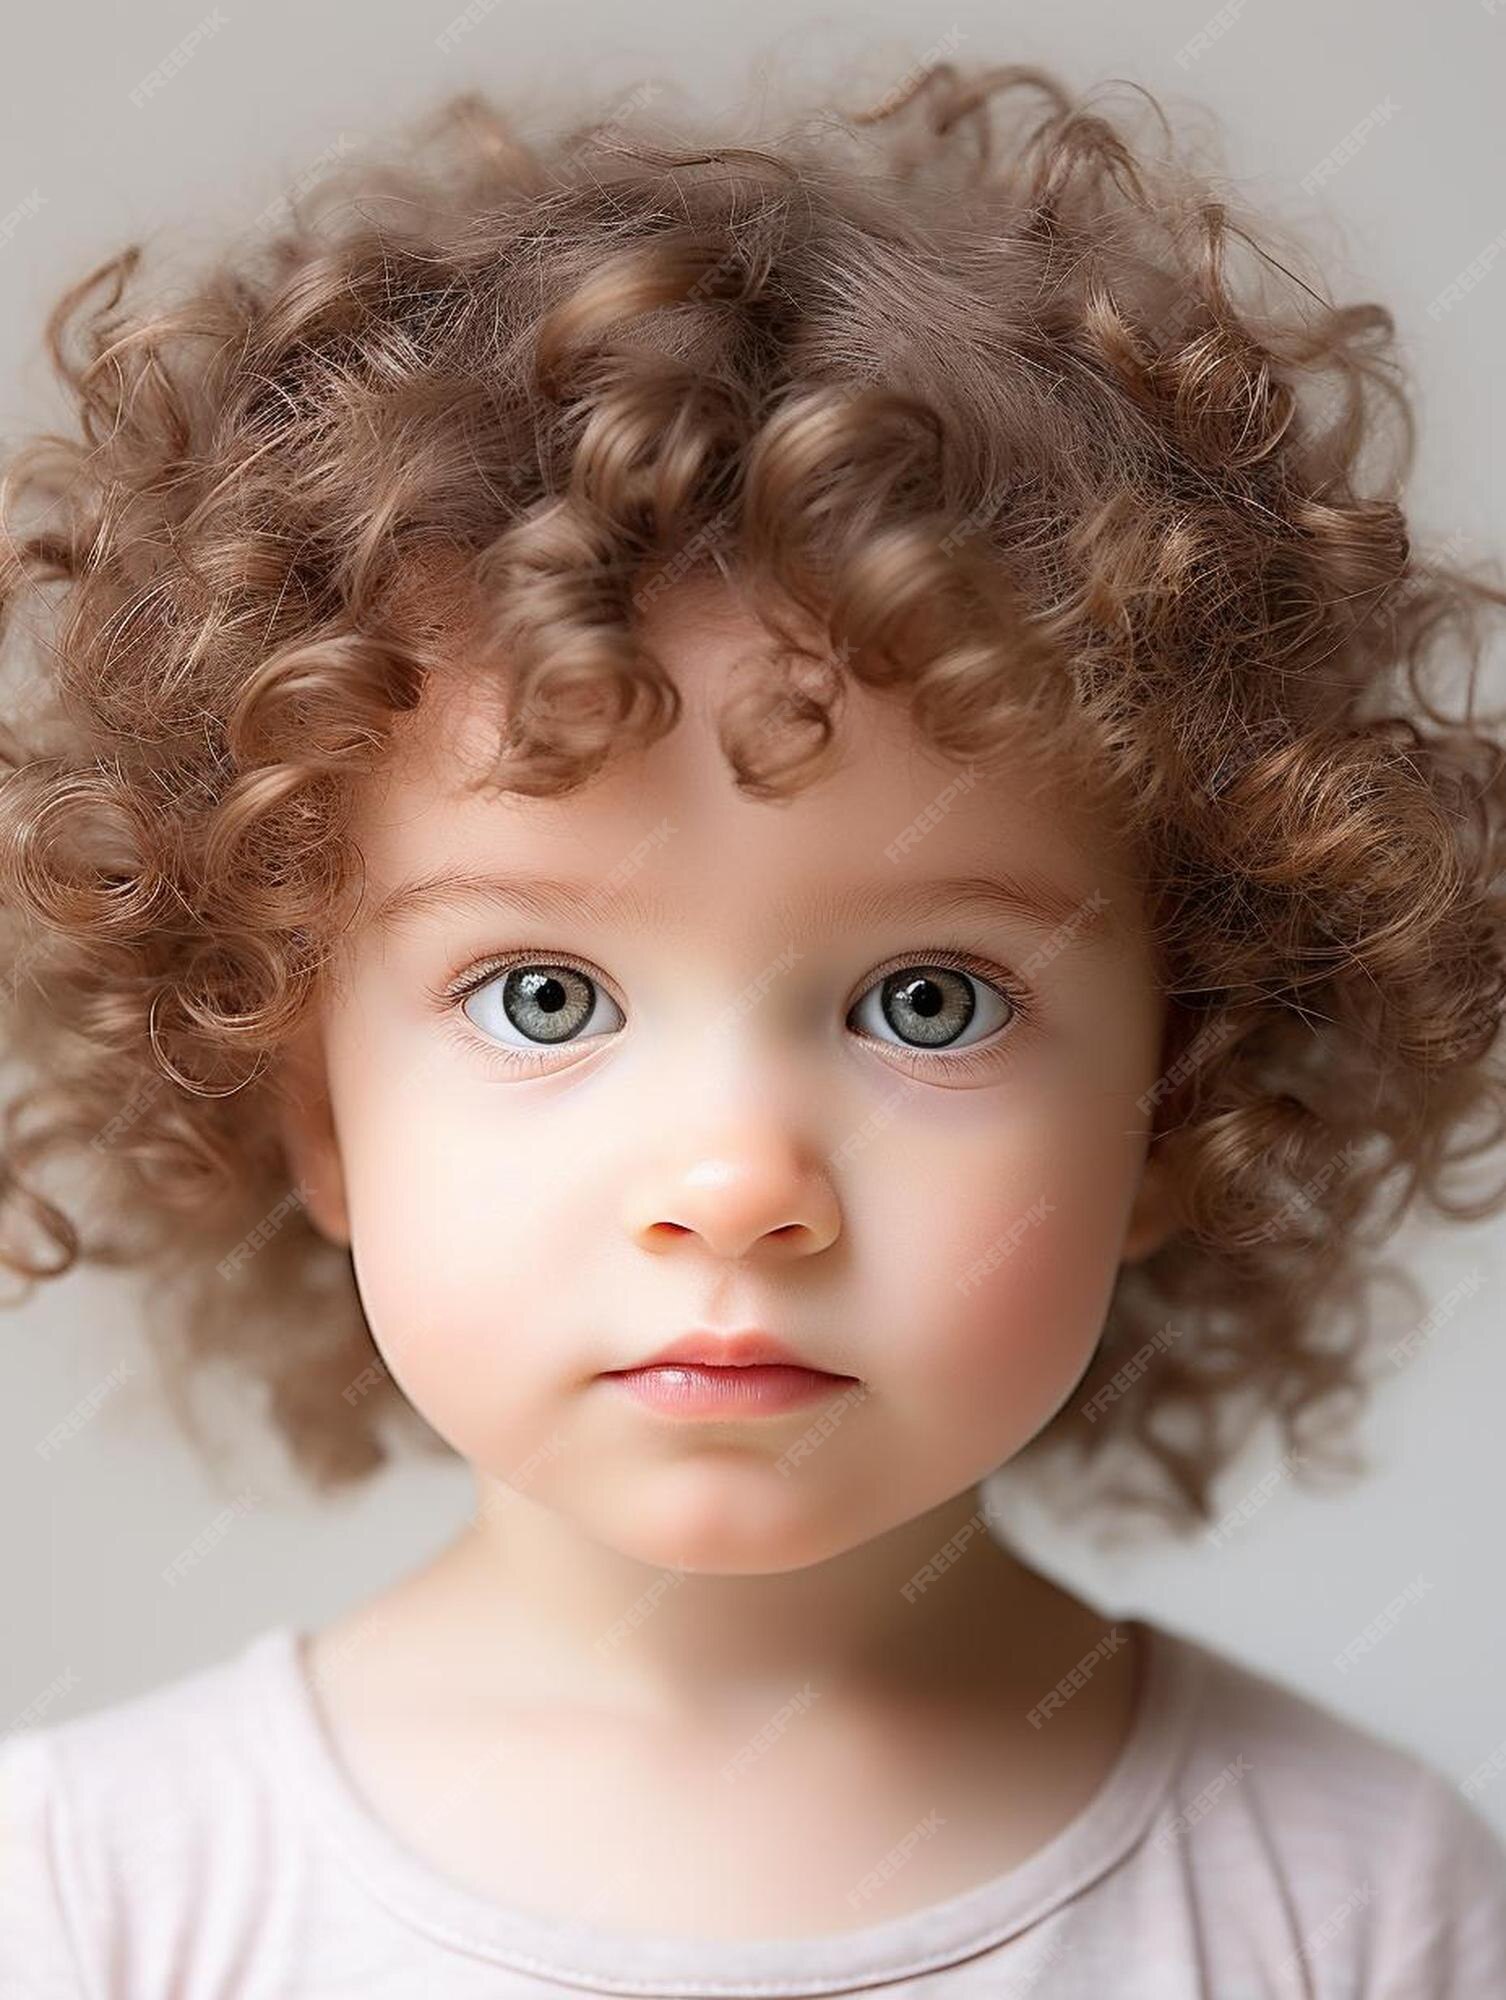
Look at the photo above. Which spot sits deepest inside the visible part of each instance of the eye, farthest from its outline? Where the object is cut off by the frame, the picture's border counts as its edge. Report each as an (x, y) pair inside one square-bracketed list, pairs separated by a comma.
[(946, 1007), (931, 1004), (539, 1003)]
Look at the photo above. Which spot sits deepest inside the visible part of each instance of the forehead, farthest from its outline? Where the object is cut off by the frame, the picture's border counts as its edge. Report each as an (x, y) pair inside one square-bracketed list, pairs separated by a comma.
[(887, 807)]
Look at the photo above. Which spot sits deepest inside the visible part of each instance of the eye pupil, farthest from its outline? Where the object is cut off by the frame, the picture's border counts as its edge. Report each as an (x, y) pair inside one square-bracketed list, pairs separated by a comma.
[(924, 996), (547, 1003), (928, 1008)]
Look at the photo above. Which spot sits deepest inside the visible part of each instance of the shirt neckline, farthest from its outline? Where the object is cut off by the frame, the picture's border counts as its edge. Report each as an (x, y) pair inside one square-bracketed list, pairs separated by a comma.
[(572, 1952)]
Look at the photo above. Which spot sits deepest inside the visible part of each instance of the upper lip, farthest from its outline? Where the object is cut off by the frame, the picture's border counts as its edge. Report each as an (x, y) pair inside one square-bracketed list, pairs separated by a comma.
[(729, 1350)]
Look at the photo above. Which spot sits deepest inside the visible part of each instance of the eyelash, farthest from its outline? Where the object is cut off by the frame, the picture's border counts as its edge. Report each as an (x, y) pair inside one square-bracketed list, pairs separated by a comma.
[(450, 997)]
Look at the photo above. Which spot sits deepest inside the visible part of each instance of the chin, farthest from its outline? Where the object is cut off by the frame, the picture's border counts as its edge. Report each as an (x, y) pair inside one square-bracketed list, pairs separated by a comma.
[(701, 1521)]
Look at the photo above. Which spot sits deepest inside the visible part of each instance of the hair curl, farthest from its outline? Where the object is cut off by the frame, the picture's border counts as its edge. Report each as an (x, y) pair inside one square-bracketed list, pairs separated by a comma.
[(994, 401)]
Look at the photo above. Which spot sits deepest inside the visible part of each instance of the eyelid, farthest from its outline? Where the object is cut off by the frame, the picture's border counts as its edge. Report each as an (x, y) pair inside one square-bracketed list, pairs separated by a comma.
[(960, 959), (459, 987)]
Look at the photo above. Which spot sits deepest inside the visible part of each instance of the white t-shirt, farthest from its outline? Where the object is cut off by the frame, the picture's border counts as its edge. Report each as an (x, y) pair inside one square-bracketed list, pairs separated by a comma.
[(203, 1842)]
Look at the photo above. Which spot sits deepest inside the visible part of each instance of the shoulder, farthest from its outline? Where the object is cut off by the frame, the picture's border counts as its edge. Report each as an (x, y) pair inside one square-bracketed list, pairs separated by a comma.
[(1323, 1761), (1366, 1836), (154, 1757), (108, 1817)]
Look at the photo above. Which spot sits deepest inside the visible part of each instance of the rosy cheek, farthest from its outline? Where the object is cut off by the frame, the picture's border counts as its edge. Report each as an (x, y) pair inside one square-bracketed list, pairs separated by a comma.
[(463, 1252), (997, 1287)]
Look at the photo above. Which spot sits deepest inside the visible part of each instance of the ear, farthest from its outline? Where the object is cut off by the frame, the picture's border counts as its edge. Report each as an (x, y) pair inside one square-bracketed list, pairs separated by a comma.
[(1154, 1215), (305, 1121)]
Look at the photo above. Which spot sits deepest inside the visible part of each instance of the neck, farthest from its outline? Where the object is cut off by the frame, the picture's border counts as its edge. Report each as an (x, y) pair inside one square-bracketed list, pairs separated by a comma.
[(933, 1607)]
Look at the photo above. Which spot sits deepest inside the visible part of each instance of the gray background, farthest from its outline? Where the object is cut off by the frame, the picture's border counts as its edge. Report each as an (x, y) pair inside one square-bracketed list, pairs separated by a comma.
[(90, 1529)]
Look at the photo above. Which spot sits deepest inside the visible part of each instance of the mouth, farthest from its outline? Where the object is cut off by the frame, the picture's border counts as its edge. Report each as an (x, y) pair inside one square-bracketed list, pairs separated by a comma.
[(753, 1389), (750, 1348)]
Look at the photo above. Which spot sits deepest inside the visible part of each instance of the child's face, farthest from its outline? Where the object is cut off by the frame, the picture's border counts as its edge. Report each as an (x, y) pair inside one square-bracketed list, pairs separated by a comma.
[(717, 1147)]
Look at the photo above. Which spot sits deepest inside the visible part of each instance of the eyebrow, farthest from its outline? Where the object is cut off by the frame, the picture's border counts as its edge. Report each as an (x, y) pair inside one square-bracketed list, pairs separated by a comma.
[(1030, 898)]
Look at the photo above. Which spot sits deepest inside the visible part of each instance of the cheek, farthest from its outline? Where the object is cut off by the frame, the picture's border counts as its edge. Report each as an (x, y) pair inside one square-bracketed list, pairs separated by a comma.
[(457, 1251), (992, 1281)]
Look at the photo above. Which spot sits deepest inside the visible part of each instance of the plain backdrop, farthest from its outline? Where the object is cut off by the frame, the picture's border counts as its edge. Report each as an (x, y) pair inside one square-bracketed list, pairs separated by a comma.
[(1376, 130)]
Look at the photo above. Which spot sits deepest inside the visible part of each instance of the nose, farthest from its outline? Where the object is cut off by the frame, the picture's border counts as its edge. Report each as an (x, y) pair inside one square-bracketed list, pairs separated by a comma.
[(754, 1195)]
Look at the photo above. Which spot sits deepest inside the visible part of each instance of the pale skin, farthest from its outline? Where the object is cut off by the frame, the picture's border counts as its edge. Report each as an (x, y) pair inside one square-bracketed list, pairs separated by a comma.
[(548, 1711)]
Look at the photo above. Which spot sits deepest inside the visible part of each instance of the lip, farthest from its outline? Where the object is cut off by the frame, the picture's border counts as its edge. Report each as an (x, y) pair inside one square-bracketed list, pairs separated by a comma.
[(750, 1349), (755, 1389), (705, 1374)]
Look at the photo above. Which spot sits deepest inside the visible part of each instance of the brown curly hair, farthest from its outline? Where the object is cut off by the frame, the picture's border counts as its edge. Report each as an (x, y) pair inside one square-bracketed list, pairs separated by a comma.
[(974, 386)]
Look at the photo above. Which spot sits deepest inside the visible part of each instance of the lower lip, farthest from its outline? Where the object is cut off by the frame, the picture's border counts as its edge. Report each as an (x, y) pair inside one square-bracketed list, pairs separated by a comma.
[(686, 1389)]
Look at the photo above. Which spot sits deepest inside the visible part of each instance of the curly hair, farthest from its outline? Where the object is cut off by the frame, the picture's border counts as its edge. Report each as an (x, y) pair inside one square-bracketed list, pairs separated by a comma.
[(974, 393)]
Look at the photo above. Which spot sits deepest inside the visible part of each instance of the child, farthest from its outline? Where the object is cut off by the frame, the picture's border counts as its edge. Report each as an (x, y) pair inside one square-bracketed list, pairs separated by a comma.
[(750, 831)]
